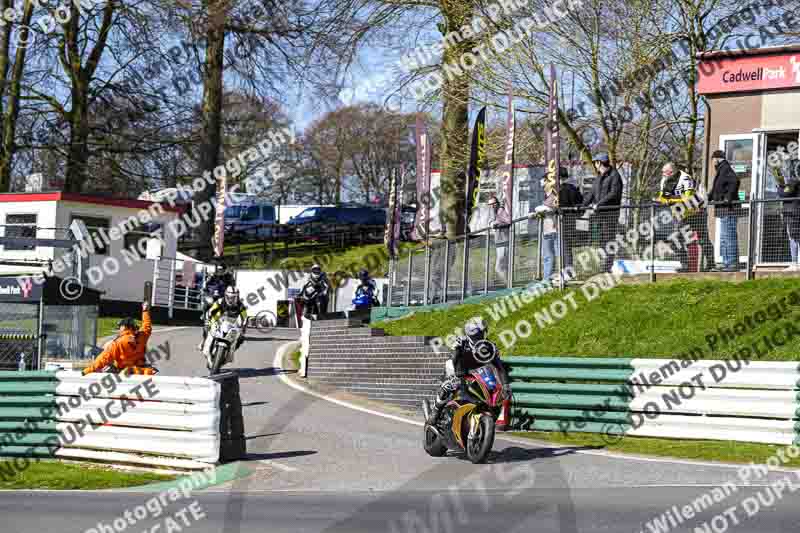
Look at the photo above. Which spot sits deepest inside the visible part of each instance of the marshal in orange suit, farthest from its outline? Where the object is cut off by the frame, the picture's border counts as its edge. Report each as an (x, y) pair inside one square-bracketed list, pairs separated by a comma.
[(126, 353)]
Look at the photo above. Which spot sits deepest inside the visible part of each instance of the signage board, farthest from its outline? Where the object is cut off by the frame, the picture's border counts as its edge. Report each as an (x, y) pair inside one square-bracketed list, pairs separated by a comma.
[(748, 73)]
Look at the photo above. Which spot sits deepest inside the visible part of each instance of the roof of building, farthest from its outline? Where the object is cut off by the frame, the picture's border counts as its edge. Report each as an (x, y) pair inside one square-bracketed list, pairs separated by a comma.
[(83, 198), (769, 50)]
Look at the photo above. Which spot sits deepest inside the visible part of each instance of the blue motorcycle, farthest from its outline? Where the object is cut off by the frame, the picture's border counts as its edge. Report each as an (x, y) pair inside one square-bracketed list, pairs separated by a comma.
[(364, 299)]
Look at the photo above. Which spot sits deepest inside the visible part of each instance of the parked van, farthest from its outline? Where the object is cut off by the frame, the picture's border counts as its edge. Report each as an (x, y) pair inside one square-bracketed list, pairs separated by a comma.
[(367, 216), (250, 219), (315, 221)]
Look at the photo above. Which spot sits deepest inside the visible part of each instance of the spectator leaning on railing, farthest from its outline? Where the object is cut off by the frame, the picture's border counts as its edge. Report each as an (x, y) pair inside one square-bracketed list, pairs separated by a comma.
[(726, 191), (500, 222), (606, 192), (790, 214), (569, 196), (682, 189)]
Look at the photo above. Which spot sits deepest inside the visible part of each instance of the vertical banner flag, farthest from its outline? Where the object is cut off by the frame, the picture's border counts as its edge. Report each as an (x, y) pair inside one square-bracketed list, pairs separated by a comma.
[(422, 219), (391, 219), (398, 210), (553, 142), (508, 164), (219, 230), (477, 161)]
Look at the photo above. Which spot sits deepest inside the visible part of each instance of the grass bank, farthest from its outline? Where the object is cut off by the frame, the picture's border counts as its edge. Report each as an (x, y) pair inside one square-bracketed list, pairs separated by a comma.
[(699, 450), (371, 256), (54, 475), (658, 320)]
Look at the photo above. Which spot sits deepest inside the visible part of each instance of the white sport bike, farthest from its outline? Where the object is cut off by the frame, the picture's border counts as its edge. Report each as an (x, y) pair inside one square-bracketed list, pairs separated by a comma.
[(221, 343)]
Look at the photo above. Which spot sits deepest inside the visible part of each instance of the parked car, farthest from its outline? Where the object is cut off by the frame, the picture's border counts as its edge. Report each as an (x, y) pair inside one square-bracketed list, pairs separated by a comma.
[(250, 221), (317, 220)]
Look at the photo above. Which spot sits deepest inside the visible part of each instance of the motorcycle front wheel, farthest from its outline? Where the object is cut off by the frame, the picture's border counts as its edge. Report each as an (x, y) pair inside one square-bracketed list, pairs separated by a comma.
[(478, 448), (433, 443), (217, 358)]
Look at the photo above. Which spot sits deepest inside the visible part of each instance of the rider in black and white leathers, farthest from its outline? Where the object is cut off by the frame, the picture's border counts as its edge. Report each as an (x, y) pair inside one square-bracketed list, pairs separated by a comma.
[(466, 357), (319, 282)]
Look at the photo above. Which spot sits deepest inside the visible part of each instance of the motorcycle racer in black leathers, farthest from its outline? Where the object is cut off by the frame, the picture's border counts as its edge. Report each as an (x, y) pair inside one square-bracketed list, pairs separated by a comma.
[(469, 355), (318, 285)]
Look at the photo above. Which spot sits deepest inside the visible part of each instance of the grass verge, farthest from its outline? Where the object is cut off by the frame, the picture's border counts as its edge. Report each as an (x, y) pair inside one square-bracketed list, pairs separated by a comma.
[(55, 475), (107, 326), (370, 256), (700, 450), (659, 320), (295, 358)]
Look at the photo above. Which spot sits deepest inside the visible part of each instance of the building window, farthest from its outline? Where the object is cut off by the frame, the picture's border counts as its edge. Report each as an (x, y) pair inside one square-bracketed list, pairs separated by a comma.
[(22, 226), (94, 225), (142, 232)]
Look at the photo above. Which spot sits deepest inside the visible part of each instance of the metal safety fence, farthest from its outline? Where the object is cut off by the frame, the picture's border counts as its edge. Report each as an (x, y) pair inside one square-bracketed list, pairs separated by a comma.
[(570, 245)]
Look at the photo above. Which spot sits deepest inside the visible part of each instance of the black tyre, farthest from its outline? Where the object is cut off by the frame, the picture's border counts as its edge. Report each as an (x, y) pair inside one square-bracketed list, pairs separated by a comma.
[(479, 448), (432, 443), (217, 359)]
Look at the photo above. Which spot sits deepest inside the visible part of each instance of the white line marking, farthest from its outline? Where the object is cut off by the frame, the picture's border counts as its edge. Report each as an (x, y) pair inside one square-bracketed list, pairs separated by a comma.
[(174, 328), (277, 363), (279, 466)]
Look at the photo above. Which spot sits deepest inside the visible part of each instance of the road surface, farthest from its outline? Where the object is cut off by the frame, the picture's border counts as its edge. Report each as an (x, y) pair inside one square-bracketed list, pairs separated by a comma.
[(319, 467)]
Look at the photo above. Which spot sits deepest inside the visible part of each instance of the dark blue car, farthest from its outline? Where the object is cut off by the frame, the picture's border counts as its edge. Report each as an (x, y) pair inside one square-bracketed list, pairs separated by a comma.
[(340, 215)]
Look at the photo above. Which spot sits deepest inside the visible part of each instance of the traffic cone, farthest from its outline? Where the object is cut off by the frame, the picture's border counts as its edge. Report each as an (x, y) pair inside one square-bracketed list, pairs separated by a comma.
[(502, 423)]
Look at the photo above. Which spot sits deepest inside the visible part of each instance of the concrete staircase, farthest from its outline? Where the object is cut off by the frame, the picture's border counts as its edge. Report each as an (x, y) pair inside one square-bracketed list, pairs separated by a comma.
[(363, 361)]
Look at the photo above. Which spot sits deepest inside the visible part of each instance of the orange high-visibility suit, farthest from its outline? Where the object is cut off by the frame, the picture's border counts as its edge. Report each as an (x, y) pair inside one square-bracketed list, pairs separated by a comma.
[(127, 352)]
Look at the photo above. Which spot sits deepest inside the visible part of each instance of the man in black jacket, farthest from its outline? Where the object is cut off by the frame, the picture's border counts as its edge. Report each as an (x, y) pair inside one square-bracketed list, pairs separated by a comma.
[(606, 192), (726, 191)]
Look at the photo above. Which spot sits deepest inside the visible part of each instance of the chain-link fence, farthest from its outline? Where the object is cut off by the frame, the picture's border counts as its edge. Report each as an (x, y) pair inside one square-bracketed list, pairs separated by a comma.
[(19, 325), (70, 331), (576, 244)]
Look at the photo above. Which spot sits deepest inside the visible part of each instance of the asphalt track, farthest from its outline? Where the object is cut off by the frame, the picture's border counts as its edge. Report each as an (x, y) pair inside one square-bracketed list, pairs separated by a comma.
[(315, 466)]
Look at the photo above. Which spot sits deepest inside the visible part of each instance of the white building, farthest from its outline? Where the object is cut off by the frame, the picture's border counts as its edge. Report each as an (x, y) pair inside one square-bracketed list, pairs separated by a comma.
[(119, 228)]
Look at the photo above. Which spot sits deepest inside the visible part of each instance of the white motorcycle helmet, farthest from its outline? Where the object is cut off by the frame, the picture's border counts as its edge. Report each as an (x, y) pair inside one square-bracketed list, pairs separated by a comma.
[(316, 273), (232, 296), (475, 329)]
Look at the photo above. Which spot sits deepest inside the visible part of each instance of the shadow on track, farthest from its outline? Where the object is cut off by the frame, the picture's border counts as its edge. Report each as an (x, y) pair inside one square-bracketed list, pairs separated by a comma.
[(516, 454), (277, 455), (258, 372)]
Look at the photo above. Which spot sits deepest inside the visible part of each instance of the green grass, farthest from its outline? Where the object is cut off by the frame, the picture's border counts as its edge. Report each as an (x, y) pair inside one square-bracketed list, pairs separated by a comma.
[(658, 320), (701, 450), (295, 358), (373, 257), (107, 326), (60, 476)]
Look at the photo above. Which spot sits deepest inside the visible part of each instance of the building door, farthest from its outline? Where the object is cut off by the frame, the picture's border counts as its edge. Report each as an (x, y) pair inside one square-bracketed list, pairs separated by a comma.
[(742, 153), (780, 162)]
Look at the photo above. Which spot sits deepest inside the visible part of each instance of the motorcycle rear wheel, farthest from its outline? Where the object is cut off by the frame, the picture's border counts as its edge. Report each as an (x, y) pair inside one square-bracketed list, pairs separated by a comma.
[(433, 443), (479, 448)]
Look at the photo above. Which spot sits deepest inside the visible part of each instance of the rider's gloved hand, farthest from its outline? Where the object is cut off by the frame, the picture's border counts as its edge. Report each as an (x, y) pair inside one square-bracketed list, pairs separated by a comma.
[(451, 384)]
